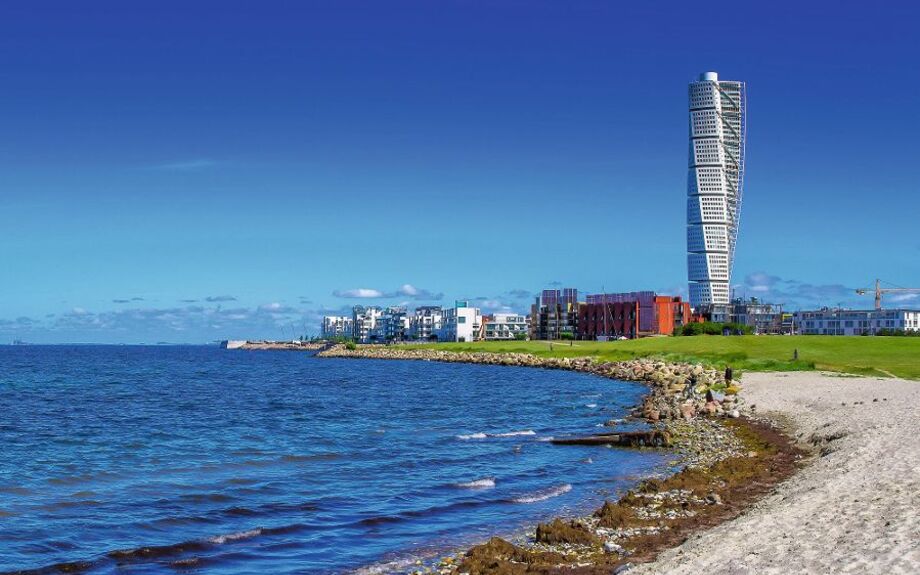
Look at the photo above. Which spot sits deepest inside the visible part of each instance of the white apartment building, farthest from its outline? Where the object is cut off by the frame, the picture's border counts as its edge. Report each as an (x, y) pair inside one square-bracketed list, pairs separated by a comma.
[(855, 322), (460, 323), (425, 322), (501, 326), (392, 325), (714, 186), (364, 323), (335, 326)]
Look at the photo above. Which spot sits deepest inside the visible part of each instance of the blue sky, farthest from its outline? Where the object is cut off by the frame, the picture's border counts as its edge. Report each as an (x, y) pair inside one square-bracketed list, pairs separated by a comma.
[(190, 171)]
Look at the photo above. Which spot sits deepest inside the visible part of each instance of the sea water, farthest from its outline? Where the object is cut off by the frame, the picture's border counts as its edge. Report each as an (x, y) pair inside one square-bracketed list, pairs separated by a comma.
[(135, 459)]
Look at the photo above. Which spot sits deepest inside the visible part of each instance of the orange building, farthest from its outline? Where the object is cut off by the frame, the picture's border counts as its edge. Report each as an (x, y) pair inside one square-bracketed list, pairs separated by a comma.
[(670, 312)]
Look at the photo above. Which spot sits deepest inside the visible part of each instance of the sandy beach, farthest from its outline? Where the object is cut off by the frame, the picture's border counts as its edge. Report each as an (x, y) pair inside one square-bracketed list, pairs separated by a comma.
[(855, 508)]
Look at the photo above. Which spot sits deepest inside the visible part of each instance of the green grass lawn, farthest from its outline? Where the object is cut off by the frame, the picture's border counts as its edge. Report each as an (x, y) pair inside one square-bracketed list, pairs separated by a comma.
[(885, 356)]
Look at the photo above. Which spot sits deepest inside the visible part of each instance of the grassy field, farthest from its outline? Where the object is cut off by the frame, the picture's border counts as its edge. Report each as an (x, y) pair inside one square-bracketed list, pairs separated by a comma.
[(885, 356)]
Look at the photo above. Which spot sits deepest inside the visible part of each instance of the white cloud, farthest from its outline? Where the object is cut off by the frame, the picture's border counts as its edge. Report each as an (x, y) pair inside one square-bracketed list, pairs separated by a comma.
[(902, 297), (795, 294), (405, 290), (190, 323), (358, 293)]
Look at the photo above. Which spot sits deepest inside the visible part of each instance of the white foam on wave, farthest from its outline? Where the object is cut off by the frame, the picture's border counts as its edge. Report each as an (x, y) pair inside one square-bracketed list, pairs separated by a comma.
[(485, 483), (395, 566), (515, 433), (591, 405), (544, 495), (482, 435), (221, 539)]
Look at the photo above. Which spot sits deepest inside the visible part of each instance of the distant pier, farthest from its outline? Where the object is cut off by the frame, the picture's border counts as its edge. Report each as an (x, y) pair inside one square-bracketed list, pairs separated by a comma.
[(272, 345)]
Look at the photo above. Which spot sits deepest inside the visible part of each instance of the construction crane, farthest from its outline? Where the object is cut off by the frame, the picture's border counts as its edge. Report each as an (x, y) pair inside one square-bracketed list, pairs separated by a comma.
[(879, 290)]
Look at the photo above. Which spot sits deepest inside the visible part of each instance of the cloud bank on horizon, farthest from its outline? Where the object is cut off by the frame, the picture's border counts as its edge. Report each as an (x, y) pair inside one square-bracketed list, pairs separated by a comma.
[(209, 318), (404, 291)]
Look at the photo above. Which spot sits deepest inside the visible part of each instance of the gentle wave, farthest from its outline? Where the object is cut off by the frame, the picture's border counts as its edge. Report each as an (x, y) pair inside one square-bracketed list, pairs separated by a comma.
[(544, 494), (478, 484), (591, 405), (153, 553), (481, 435), (426, 512), (221, 539), (197, 545), (516, 433)]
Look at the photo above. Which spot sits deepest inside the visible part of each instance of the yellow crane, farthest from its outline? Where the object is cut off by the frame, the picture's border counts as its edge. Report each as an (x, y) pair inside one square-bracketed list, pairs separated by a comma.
[(879, 290)]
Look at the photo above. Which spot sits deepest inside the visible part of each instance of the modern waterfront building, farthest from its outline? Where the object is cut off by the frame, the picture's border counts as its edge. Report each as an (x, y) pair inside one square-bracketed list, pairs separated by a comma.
[(425, 322), (761, 317), (460, 323), (830, 321), (503, 326), (337, 326), (393, 325), (714, 186), (554, 314), (364, 323), (630, 315)]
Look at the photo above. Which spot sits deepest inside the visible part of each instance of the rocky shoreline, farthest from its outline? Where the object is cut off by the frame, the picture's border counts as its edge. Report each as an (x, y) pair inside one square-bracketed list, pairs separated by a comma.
[(677, 391), (728, 457)]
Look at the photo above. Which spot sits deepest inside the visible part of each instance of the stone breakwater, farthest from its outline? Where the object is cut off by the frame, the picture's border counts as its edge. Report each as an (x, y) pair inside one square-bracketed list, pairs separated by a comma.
[(677, 391), (279, 345)]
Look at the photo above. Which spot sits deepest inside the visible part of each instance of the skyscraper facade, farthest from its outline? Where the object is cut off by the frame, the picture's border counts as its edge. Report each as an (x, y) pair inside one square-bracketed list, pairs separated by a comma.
[(714, 186)]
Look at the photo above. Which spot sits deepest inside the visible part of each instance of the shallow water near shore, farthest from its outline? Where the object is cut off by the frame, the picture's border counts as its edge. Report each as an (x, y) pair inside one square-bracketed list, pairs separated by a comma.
[(149, 459)]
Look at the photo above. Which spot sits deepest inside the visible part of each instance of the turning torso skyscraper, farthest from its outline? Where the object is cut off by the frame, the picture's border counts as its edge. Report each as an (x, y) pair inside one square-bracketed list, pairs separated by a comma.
[(714, 185)]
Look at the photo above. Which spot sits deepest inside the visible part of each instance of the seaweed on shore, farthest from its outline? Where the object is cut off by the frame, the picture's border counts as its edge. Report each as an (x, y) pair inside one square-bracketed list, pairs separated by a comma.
[(499, 557), (656, 515), (571, 532)]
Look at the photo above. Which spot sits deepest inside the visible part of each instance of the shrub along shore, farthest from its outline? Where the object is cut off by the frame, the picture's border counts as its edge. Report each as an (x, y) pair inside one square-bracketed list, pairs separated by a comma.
[(729, 459)]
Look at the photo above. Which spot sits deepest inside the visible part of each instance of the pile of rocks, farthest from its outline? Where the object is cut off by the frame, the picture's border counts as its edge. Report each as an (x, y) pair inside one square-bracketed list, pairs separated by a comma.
[(703, 442)]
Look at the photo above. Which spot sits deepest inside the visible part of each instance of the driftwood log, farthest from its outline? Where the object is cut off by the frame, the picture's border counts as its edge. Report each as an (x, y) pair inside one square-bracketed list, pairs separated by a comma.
[(654, 438)]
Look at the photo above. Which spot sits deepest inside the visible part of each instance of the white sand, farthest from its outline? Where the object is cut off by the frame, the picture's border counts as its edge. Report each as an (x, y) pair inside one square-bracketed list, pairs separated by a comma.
[(855, 509)]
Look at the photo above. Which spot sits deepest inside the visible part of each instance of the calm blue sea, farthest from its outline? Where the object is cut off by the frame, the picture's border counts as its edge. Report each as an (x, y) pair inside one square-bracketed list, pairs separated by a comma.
[(152, 459)]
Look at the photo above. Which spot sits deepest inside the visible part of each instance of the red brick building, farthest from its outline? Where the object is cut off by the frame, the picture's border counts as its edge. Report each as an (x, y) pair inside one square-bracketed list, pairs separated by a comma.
[(630, 315)]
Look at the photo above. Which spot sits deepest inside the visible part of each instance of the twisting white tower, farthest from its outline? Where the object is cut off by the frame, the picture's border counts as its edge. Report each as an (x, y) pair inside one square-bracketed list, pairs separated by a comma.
[(714, 186)]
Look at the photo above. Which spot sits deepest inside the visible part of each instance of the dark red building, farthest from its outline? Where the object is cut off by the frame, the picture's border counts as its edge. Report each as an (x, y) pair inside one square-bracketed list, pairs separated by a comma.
[(630, 315)]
